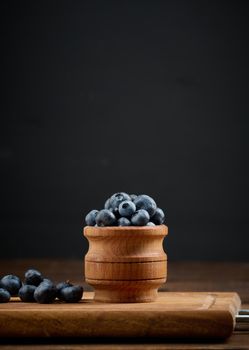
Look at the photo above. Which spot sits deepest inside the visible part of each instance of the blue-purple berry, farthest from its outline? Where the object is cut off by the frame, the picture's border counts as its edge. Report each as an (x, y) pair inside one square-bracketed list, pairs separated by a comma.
[(4, 295), (11, 283), (107, 204), (26, 293), (117, 198), (72, 294), (147, 203), (105, 218), (47, 281), (140, 218), (159, 217), (150, 224), (33, 277), (126, 208), (45, 293), (115, 212), (124, 222), (90, 218), (133, 197), (61, 286)]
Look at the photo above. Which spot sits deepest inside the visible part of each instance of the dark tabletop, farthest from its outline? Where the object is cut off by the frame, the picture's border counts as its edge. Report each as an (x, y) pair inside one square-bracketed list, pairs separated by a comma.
[(182, 276)]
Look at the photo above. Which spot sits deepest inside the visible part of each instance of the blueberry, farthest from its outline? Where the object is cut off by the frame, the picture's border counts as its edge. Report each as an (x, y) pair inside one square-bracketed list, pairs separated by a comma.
[(115, 212), (4, 295), (47, 281), (91, 217), (107, 204), (26, 293), (33, 277), (126, 208), (45, 293), (150, 224), (145, 202), (105, 218), (140, 218), (158, 217), (133, 196), (124, 222), (61, 286), (117, 198), (11, 283), (72, 294)]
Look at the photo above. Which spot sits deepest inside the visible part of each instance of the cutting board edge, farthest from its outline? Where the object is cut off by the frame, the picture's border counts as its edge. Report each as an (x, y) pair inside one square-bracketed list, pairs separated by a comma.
[(55, 326)]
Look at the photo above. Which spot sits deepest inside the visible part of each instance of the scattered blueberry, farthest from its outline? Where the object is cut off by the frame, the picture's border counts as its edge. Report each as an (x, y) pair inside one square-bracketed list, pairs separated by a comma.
[(150, 224), (105, 218), (117, 198), (140, 218), (71, 294), (11, 283), (127, 208), (4, 295), (47, 281), (61, 286), (26, 293), (124, 222), (159, 217), (45, 293), (33, 277), (91, 217), (145, 202)]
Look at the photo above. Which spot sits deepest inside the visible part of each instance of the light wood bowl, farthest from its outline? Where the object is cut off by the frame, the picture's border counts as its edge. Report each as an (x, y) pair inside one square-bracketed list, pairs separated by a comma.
[(125, 264)]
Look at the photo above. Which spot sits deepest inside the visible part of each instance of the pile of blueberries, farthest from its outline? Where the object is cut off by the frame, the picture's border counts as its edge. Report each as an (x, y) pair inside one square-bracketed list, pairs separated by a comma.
[(38, 289), (123, 209)]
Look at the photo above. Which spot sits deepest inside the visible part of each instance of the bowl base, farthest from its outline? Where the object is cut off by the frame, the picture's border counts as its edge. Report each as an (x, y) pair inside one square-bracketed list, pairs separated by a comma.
[(107, 296), (126, 291)]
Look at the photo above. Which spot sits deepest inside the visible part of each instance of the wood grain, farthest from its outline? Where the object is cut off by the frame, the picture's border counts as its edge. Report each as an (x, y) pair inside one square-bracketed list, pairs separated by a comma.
[(173, 315), (125, 264), (182, 276)]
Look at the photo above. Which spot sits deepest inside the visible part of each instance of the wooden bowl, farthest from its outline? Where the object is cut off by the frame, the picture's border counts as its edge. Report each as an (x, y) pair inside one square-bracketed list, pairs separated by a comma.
[(125, 264)]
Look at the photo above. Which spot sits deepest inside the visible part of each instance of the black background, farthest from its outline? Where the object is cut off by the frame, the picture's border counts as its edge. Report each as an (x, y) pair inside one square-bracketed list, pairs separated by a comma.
[(144, 97)]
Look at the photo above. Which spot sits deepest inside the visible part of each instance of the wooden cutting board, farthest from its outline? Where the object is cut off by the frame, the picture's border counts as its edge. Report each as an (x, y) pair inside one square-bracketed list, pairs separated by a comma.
[(174, 315)]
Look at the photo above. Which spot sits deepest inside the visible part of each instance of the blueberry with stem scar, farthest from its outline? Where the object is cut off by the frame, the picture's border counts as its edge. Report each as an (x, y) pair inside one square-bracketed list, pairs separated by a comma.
[(127, 208), (117, 198), (61, 286)]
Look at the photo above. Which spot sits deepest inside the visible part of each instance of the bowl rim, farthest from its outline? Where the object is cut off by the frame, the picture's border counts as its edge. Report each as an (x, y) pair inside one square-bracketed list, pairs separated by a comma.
[(158, 230)]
